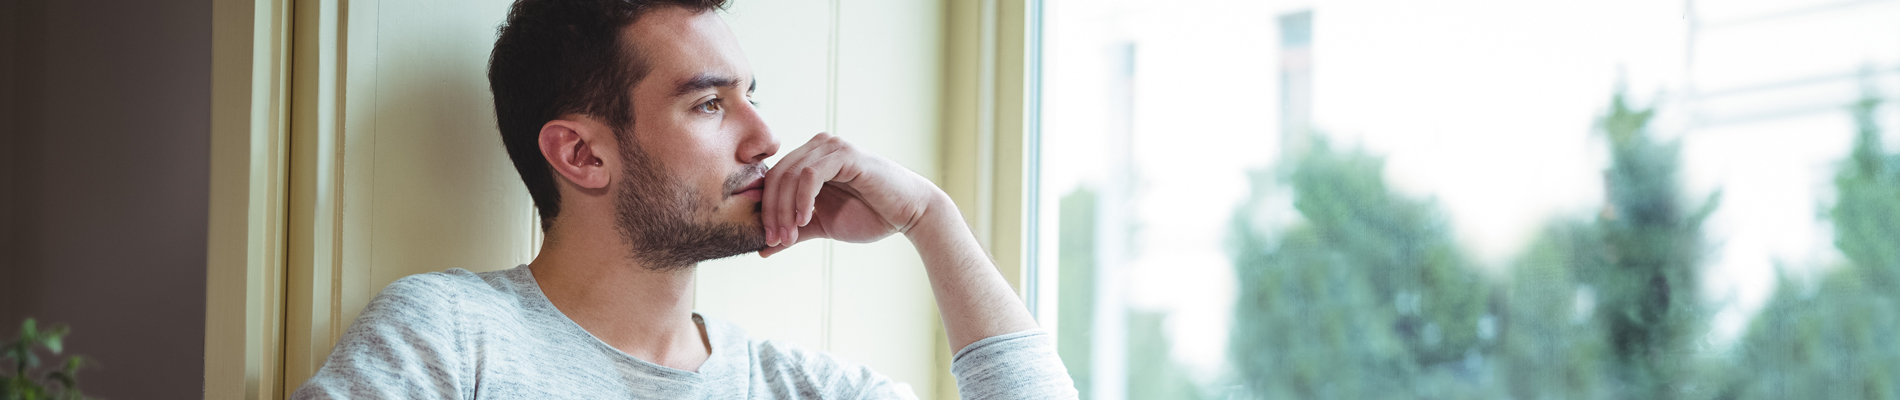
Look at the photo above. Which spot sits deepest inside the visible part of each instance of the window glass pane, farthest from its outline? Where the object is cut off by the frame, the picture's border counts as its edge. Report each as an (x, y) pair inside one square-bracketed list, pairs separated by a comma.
[(1473, 198)]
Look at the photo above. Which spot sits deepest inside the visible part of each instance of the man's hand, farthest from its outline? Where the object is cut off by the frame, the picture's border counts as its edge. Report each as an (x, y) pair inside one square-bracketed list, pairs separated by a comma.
[(830, 189)]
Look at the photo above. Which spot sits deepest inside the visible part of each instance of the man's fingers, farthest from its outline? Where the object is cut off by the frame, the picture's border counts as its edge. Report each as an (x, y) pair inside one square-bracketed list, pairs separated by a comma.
[(790, 176), (807, 232), (811, 180), (775, 187), (803, 189), (807, 177), (780, 200)]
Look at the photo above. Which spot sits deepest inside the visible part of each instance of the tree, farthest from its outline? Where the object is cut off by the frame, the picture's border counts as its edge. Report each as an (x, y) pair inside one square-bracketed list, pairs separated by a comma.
[(1367, 297), (1650, 301), (1552, 349), (1834, 339), (1867, 210), (1832, 343)]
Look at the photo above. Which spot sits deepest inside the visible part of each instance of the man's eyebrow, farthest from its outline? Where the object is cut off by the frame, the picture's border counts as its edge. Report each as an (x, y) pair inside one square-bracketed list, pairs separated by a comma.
[(755, 85), (704, 82)]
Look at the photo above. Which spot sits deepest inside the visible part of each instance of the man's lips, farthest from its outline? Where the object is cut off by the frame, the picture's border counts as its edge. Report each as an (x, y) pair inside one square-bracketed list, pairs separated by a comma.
[(754, 190)]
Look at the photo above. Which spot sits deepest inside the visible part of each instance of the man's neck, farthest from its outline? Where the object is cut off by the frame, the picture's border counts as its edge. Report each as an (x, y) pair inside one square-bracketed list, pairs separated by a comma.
[(646, 313)]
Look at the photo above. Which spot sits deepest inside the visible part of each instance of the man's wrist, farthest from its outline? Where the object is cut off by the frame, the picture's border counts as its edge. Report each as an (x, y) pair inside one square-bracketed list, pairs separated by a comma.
[(940, 217), (974, 299)]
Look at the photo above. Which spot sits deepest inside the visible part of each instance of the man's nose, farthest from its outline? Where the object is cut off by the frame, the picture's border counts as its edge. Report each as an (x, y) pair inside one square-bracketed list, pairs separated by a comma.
[(756, 142)]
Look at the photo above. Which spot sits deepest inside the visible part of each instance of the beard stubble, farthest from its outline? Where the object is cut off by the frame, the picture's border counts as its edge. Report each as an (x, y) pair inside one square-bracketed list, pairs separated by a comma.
[(667, 226)]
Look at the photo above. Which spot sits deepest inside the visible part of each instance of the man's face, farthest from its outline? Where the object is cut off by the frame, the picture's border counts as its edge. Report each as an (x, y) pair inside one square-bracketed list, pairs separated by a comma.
[(691, 184)]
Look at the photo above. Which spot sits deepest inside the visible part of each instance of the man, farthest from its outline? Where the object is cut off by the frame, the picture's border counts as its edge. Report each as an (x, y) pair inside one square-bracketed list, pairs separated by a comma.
[(629, 122)]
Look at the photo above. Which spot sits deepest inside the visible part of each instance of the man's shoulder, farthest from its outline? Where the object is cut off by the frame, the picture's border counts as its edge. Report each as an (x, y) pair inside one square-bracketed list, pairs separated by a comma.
[(450, 285), (414, 338), (454, 291)]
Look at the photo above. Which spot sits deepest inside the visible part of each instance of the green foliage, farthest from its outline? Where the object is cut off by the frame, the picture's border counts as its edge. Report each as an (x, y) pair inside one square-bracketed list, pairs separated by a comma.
[(1833, 343), (1611, 308), (1653, 236), (1835, 339), (1550, 348), (27, 382), (1867, 213), (1404, 244), (1307, 326), (1367, 297)]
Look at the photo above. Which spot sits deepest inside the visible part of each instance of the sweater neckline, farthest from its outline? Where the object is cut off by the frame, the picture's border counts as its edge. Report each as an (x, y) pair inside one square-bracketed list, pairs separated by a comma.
[(717, 335)]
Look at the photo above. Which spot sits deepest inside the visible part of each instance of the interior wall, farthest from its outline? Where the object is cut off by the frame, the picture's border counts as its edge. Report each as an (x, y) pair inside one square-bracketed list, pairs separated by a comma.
[(104, 114)]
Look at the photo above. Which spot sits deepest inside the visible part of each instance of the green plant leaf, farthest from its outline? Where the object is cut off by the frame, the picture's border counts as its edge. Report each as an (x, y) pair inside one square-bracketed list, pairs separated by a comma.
[(26, 382), (29, 331), (54, 337)]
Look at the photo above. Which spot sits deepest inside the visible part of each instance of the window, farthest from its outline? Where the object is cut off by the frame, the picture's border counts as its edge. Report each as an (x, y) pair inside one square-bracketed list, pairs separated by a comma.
[(1458, 199)]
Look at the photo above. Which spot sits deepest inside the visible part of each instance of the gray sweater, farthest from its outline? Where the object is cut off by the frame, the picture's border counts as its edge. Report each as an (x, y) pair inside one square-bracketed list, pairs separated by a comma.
[(494, 335)]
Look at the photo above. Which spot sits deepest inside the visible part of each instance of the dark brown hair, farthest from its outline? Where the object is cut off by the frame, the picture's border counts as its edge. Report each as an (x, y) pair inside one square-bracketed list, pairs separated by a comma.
[(557, 57)]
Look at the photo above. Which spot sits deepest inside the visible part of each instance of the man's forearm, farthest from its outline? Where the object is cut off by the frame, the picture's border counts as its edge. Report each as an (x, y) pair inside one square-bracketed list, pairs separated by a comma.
[(975, 300)]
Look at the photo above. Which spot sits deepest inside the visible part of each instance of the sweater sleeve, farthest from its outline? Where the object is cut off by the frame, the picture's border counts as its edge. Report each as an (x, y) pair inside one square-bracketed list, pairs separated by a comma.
[(405, 345), (1021, 365)]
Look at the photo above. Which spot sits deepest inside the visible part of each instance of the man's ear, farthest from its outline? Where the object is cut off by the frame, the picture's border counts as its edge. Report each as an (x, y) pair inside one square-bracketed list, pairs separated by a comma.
[(568, 145)]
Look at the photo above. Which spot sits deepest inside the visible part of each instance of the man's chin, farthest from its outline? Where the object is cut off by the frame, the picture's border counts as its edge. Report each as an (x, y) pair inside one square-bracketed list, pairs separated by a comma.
[(747, 237), (749, 248), (751, 222), (686, 245)]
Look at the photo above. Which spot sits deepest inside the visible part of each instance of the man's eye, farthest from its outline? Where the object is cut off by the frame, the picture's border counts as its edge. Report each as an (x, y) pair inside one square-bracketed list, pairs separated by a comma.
[(710, 106)]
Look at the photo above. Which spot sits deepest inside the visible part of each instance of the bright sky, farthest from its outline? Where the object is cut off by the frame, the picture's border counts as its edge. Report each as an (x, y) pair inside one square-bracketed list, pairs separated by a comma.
[(1486, 105)]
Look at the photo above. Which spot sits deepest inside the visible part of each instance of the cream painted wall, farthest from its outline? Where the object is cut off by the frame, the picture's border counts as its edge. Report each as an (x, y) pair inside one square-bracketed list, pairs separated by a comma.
[(425, 174), (425, 185)]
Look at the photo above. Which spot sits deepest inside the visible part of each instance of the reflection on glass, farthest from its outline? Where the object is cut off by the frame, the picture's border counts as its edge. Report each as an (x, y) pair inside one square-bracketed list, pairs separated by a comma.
[(1473, 199)]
